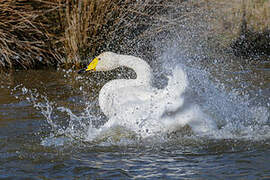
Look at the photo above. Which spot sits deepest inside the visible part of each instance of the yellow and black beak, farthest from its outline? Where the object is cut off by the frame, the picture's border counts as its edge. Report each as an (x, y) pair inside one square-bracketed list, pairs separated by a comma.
[(91, 67)]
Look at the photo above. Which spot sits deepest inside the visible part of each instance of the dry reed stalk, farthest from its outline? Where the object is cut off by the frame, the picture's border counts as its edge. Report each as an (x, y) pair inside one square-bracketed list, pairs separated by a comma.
[(67, 31), (91, 26), (231, 14), (82, 22), (24, 41), (87, 24)]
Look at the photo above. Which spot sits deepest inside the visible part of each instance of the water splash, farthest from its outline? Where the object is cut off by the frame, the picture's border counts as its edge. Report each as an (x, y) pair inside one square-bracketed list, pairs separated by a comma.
[(234, 113), (65, 125)]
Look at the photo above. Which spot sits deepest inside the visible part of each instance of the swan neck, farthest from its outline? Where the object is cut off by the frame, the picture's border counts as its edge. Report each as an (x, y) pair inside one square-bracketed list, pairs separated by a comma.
[(141, 68)]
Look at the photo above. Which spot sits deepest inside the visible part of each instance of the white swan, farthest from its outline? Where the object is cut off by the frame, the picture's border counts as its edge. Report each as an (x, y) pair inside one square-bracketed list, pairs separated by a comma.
[(134, 104)]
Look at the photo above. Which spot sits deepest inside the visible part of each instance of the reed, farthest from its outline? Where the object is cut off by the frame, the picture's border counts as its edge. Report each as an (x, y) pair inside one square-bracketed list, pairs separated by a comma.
[(35, 33), (50, 32), (232, 16), (24, 39), (92, 26), (248, 26), (83, 25)]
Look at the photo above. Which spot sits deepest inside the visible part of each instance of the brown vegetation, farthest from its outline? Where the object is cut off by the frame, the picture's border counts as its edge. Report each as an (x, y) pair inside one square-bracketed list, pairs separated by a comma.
[(254, 33), (232, 15), (53, 32), (92, 25), (24, 40), (50, 32)]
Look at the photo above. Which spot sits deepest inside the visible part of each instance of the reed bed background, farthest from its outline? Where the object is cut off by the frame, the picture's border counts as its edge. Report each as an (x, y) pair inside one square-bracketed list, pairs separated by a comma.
[(93, 26), (36, 33), (24, 39), (243, 25)]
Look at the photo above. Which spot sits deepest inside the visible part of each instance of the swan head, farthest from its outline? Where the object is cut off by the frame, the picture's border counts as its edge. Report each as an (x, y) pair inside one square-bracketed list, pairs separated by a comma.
[(104, 62)]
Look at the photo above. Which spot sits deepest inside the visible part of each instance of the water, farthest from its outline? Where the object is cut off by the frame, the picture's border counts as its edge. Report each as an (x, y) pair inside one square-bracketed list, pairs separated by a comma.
[(45, 117)]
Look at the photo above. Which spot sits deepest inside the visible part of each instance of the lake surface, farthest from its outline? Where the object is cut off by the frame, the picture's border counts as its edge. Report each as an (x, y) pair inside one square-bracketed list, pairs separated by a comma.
[(45, 115)]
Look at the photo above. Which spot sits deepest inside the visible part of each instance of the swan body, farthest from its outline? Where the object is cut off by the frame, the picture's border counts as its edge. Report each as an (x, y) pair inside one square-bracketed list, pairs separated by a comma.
[(135, 104)]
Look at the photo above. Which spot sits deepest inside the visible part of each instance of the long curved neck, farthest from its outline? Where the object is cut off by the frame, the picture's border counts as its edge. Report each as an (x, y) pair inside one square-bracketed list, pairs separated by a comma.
[(142, 69), (107, 93)]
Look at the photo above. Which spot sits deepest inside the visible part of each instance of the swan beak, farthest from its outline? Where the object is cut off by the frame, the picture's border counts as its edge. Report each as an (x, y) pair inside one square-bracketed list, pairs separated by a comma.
[(92, 66)]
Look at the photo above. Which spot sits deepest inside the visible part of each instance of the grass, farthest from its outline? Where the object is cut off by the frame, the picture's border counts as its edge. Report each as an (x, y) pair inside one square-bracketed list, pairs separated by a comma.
[(232, 16), (92, 26), (38, 33), (24, 40), (52, 32)]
